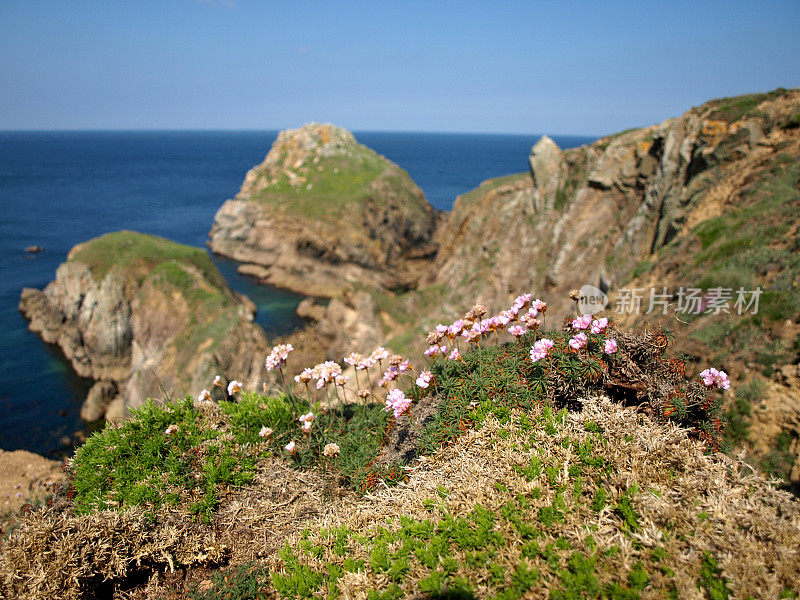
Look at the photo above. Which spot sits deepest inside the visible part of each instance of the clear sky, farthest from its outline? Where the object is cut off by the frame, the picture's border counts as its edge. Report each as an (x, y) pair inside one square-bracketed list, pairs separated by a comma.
[(519, 67)]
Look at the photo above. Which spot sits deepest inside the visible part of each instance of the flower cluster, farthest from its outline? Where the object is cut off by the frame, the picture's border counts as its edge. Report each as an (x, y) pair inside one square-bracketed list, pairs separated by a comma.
[(307, 420), (277, 358), (234, 387), (596, 326), (424, 379), (397, 402), (712, 376), (540, 349), (325, 373), (473, 328)]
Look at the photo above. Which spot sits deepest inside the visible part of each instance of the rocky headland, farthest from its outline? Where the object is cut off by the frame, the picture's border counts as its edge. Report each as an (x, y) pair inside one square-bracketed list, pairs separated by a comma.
[(145, 317), (324, 213)]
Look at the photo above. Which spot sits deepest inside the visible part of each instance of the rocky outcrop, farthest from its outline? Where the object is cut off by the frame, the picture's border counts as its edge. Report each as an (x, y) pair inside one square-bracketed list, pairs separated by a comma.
[(323, 213), (147, 318), (588, 215)]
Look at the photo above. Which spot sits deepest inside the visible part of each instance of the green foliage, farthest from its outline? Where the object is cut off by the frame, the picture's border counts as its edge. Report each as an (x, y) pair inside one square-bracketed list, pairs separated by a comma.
[(139, 463), (711, 579), (126, 250), (736, 107)]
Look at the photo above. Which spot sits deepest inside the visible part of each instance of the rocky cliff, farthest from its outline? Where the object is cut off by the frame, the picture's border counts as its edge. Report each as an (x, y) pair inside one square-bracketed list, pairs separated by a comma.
[(708, 200), (323, 213), (145, 317), (589, 215)]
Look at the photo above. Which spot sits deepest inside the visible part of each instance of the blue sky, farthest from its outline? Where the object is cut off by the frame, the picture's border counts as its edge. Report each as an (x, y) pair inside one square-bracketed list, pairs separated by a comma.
[(519, 67)]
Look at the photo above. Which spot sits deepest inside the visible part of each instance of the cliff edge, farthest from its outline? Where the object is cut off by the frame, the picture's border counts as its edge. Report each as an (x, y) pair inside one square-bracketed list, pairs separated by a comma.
[(145, 317)]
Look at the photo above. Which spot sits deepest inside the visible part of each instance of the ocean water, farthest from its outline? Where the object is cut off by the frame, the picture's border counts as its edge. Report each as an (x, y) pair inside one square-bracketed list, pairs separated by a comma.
[(61, 188)]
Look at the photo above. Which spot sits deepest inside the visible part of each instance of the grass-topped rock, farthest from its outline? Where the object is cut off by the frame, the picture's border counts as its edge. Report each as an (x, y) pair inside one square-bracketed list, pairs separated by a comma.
[(145, 317), (323, 212)]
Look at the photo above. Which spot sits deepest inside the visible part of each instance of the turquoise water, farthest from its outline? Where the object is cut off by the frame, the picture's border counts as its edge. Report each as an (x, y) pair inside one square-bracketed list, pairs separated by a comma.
[(61, 188)]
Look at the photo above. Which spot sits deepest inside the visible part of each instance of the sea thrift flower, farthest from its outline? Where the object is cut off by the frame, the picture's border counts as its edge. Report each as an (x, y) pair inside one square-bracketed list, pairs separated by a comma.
[(217, 381), (341, 380), (367, 363), (380, 353), (364, 394), (475, 313), (434, 337), (304, 377), (711, 377), (442, 329), (291, 447), (404, 366), (540, 349), (397, 402), (599, 325), (582, 322), (307, 418), (579, 341), (353, 358), (517, 331), (234, 387), (454, 355), (522, 301), (610, 347), (205, 396), (456, 328), (395, 359), (432, 351), (330, 450), (171, 429), (265, 432), (530, 321), (273, 362), (538, 306), (424, 379)]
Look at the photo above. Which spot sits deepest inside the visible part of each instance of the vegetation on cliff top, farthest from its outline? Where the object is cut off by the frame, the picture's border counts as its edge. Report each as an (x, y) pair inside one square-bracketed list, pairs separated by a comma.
[(320, 171), (521, 479)]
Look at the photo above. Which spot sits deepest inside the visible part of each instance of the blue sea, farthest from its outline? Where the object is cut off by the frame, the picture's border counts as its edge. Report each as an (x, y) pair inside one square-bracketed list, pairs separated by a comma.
[(61, 188)]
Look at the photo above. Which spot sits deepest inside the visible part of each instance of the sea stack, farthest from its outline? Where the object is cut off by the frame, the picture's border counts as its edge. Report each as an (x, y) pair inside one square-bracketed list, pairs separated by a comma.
[(324, 213), (145, 317)]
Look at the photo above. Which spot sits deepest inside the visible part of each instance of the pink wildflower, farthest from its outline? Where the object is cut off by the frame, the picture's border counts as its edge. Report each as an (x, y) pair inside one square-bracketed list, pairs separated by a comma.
[(540, 349), (456, 328), (234, 387), (517, 331), (171, 429), (217, 381), (454, 355), (579, 341), (537, 306), (330, 450), (432, 351), (709, 376), (599, 325), (522, 301), (265, 432), (582, 322), (380, 353), (424, 379), (397, 402), (610, 347), (205, 396), (353, 358), (291, 447)]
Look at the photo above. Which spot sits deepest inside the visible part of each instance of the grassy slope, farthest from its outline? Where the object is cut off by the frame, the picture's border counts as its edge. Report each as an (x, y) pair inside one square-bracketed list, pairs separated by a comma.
[(339, 185), (513, 495)]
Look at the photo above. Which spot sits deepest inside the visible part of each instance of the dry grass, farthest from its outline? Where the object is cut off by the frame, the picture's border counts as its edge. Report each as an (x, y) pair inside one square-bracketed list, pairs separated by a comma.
[(687, 504)]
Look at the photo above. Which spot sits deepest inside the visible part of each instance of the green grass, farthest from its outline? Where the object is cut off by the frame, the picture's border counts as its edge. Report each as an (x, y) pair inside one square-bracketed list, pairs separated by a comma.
[(734, 108), (139, 464), (131, 250), (338, 185)]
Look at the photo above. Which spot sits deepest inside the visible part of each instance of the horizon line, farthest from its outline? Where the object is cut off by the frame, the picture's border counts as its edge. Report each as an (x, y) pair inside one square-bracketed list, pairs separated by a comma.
[(270, 130)]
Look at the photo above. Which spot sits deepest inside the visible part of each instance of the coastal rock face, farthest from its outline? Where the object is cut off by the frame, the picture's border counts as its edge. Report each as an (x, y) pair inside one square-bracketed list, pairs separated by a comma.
[(323, 213), (147, 317), (588, 215)]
